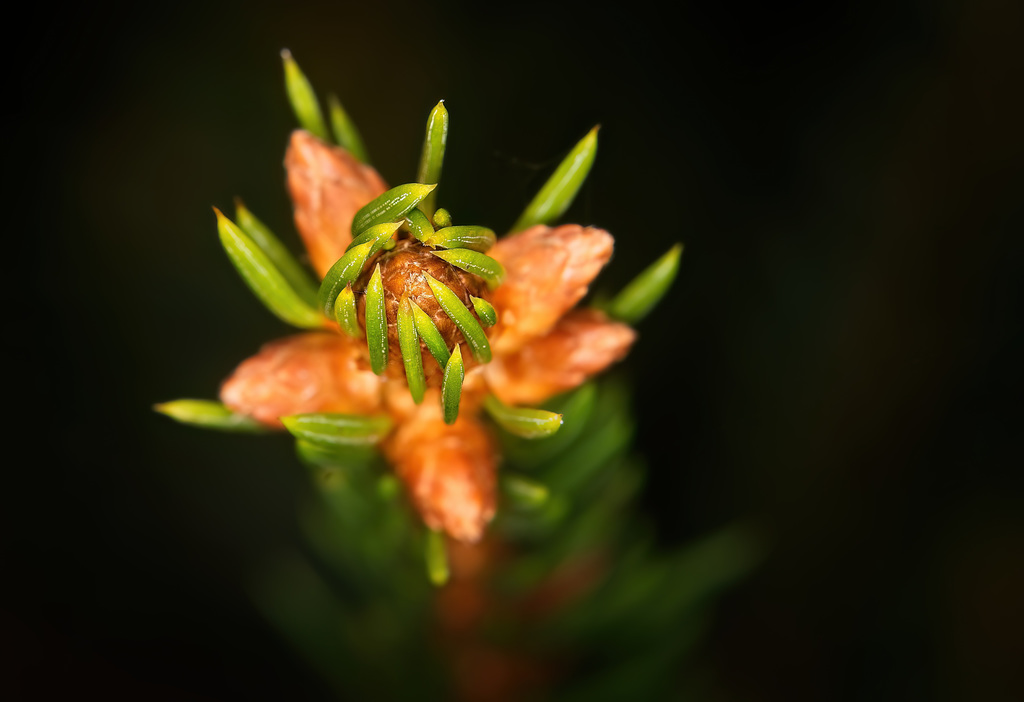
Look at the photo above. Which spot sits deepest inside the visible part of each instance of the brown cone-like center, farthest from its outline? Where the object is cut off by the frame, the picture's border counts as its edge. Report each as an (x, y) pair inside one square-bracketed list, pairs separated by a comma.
[(402, 270)]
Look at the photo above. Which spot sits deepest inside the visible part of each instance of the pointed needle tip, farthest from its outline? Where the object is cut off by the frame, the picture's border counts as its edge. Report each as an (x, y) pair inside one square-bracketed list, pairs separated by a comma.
[(674, 253)]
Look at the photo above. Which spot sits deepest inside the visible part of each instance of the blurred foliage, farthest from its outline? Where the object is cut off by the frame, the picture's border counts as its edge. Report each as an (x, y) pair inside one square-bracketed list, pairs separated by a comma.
[(570, 595)]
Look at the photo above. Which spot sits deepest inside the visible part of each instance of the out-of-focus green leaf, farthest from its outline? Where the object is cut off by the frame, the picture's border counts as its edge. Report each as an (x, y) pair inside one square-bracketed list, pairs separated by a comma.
[(608, 436), (641, 295), (640, 673), (534, 524), (559, 191), (297, 276), (523, 491), (652, 598), (308, 623), (436, 558), (303, 98), (388, 487), (263, 277), (209, 414), (345, 131), (347, 457), (572, 471), (594, 521)]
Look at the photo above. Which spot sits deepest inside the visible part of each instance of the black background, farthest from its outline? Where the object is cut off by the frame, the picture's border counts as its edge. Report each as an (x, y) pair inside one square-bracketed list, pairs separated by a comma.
[(838, 361)]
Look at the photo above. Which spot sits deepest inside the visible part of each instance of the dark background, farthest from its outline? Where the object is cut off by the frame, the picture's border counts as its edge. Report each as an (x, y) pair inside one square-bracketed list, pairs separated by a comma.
[(839, 359)]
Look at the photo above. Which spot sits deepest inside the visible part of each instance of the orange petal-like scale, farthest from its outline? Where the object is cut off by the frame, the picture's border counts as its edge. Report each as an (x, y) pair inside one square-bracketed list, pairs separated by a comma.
[(328, 186), (314, 372), (547, 271), (582, 344), (449, 470)]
